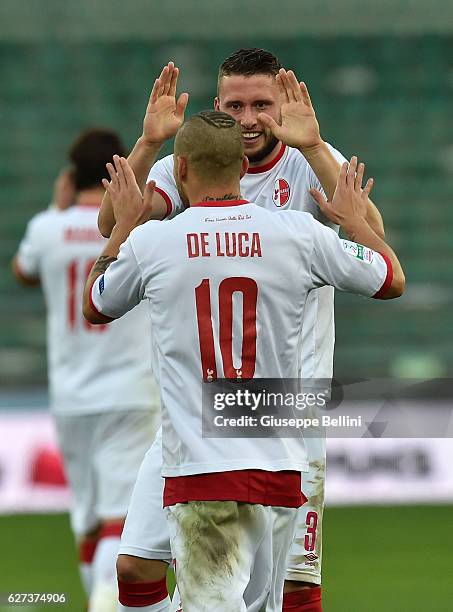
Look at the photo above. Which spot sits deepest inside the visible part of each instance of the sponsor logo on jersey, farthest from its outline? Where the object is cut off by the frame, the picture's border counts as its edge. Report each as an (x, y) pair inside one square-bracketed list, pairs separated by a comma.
[(311, 558), (358, 251), (101, 285), (281, 192)]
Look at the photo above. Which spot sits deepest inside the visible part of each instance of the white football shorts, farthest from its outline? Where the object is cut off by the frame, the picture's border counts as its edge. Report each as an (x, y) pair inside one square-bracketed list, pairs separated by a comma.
[(146, 535), (102, 454), (230, 556)]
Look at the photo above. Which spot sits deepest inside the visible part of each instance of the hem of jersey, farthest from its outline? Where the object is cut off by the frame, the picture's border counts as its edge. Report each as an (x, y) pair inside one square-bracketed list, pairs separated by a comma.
[(388, 279), (145, 553), (209, 468), (269, 165), (167, 199), (303, 576)]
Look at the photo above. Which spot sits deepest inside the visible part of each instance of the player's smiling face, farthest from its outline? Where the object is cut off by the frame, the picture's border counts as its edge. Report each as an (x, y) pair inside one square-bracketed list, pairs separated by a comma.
[(244, 97)]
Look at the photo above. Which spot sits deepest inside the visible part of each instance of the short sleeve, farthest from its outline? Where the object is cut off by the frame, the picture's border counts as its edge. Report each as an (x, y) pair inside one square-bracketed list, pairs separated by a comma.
[(313, 179), (120, 288), (30, 249), (348, 266), (162, 173)]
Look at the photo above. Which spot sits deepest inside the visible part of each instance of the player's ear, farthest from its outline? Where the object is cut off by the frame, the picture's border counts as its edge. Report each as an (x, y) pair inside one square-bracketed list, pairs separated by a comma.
[(245, 165), (181, 169), (216, 104)]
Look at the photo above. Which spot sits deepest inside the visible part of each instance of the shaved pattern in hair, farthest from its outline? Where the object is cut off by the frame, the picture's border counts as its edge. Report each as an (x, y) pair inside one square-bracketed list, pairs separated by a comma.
[(211, 141)]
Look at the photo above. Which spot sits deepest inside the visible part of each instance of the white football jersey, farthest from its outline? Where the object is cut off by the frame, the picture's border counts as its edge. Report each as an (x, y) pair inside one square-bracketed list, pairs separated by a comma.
[(227, 286), (282, 184), (92, 368)]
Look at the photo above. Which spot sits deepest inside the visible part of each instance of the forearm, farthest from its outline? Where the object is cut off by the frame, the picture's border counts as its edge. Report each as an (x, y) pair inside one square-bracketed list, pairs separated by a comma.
[(374, 219), (327, 169), (141, 160), (324, 165), (361, 232), (108, 256)]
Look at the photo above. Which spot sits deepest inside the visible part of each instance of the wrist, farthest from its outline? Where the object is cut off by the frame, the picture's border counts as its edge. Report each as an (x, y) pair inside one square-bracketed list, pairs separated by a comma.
[(314, 150), (149, 145), (354, 228)]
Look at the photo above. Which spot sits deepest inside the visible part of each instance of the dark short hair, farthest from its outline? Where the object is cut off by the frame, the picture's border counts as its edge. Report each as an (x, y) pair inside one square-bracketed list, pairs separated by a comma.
[(248, 62), (89, 153)]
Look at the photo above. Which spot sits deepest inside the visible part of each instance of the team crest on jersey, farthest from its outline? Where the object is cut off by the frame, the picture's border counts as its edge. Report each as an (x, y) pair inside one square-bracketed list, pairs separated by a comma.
[(281, 192)]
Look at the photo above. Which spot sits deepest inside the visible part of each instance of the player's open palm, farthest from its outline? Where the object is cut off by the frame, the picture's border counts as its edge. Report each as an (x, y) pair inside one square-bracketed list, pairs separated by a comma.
[(299, 127), (164, 113), (129, 206), (350, 201)]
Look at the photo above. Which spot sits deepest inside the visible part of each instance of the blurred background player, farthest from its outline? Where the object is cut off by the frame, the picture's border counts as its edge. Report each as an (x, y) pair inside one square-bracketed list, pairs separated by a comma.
[(102, 394), (287, 158)]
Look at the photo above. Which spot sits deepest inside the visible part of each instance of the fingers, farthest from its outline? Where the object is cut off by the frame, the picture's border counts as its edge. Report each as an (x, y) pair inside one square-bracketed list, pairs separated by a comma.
[(350, 178), (305, 95), (284, 99), (367, 189), (267, 121), (290, 85), (148, 195), (319, 198), (341, 182), (181, 105), (119, 171), (173, 81), (167, 80), (114, 183), (359, 177), (128, 172)]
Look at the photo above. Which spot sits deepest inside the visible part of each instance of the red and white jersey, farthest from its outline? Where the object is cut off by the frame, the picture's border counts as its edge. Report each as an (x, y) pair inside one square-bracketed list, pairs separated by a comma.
[(282, 184), (92, 368), (227, 286)]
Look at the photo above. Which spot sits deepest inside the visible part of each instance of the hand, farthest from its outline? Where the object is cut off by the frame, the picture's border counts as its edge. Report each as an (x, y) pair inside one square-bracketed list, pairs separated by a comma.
[(349, 204), (64, 190), (299, 127), (164, 114), (129, 206)]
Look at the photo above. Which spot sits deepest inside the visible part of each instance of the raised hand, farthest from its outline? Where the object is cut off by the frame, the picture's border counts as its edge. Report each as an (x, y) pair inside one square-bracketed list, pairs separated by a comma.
[(164, 113), (299, 127), (350, 201), (129, 206)]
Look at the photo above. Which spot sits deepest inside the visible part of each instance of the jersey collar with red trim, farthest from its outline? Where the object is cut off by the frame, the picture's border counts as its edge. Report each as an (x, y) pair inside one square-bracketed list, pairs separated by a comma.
[(269, 165)]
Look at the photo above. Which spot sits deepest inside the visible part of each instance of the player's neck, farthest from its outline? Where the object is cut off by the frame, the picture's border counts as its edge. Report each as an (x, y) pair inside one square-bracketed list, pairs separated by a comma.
[(226, 193), (90, 197), (269, 158)]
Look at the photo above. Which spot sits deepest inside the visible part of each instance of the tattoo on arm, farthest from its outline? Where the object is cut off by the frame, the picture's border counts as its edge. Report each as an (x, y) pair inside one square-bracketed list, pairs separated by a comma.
[(102, 264)]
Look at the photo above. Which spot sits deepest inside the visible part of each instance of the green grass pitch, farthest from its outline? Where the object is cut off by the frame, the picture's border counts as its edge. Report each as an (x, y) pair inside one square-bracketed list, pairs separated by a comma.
[(395, 559)]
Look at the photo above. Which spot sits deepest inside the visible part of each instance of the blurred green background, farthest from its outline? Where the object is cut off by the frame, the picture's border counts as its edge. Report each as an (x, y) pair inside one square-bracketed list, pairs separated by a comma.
[(381, 80), (380, 76)]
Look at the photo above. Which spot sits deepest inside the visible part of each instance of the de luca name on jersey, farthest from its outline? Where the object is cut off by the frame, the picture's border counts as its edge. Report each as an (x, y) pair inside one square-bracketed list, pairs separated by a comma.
[(224, 244)]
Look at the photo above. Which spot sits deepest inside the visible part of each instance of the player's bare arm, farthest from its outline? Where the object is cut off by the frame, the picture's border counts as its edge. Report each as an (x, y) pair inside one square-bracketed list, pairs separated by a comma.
[(27, 281), (348, 208), (130, 209), (299, 128), (164, 115)]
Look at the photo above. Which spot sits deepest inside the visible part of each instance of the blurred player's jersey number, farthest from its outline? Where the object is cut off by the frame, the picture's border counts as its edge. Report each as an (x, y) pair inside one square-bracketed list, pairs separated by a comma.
[(77, 273), (249, 290)]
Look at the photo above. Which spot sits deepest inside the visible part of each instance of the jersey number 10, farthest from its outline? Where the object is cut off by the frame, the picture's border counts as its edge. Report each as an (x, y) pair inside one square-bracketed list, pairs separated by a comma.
[(249, 290)]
